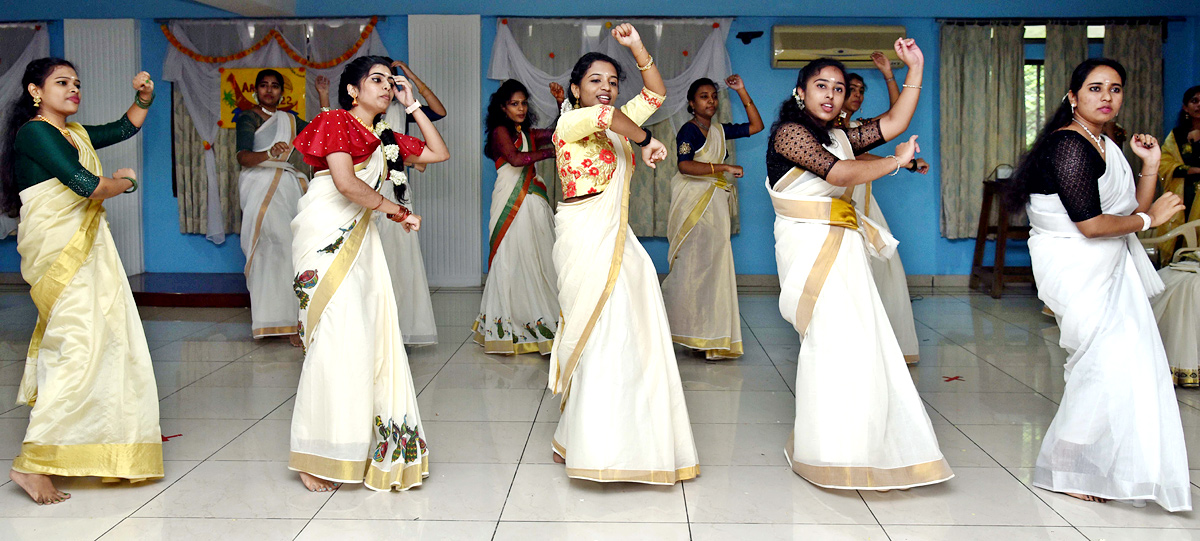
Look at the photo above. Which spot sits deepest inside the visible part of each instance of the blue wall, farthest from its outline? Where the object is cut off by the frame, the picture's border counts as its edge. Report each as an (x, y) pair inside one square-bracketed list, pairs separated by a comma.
[(911, 201)]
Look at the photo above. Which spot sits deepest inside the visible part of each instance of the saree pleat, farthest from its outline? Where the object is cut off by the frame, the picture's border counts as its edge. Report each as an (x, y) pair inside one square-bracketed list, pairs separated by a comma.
[(891, 281), (700, 291), (87, 374)]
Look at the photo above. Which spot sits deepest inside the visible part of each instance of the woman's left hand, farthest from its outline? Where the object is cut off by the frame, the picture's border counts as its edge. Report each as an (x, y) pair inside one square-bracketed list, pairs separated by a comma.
[(626, 35), (557, 91), (654, 152), (322, 85), (143, 84), (1146, 147), (909, 53), (922, 166), (403, 90)]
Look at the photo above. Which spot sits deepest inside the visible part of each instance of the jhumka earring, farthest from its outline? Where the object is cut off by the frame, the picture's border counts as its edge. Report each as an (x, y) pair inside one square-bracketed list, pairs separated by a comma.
[(354, 101), (37, 101)]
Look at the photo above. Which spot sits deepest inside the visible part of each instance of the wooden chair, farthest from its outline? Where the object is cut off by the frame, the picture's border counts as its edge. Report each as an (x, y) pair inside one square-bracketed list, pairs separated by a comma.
[(991, 279)]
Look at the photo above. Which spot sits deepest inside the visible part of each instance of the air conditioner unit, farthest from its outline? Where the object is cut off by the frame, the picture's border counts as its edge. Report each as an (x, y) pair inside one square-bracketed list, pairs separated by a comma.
[(795, 46)]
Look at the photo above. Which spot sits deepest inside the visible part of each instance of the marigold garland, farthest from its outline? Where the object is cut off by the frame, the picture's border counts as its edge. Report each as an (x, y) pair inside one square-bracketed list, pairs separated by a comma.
[(273, 35)]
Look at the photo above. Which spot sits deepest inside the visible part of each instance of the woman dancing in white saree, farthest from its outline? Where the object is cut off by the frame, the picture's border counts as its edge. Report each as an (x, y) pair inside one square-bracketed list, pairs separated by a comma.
[(701, 290), (1117, 433), (859, 422), (519, 312), (87, 372), (623, 417), (269, 187), (356, 418)]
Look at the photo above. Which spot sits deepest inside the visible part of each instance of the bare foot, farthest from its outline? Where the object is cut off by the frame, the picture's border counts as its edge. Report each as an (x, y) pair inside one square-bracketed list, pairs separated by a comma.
[(558, 459), (38, 487), (1086, 497), (316, 484), (295, 340)]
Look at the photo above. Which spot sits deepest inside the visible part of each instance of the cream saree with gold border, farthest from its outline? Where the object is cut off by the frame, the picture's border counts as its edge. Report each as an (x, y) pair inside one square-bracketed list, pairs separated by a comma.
[(891, 281), (624, 416), (356, 418), (859, 422), (87, 374), (701, 290), (269, 193)]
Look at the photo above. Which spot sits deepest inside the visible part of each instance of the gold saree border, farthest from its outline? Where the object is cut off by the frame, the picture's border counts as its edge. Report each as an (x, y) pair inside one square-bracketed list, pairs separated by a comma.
[(912, 359), (262, 213), (614, 269), (817, 276), (868, 478), (360, 471), (690, 222), (263, 332), (49, 287), (135, 461), (649, 477), (337, 271), (714, 348), (506, 347), (1186, 377)]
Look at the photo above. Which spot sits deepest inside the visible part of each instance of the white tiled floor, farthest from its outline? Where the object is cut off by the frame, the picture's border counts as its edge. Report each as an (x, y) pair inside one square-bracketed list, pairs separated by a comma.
[(489, 421)]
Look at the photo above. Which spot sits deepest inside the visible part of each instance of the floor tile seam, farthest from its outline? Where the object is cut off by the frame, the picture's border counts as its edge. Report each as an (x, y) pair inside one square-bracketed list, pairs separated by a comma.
[(687, 515), (210, 325), (1034, 490), (994, 365), (520, 460), (231, 440), (156, 495), (176, 391), (872, 511), (977, 446), (439, 370)]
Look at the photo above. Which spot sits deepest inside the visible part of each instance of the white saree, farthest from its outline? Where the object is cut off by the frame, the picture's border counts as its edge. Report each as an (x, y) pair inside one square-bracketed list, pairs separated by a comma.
[(859, 422), (701, 290), (891, 281), (269, 193), (87, 373), (355, 418), (623, 411), (519, 312), (1117, 433)]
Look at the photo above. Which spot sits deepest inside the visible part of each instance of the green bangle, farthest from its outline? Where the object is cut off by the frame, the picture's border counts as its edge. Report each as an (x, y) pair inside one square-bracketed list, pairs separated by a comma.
[(131, 188), (144, 104)]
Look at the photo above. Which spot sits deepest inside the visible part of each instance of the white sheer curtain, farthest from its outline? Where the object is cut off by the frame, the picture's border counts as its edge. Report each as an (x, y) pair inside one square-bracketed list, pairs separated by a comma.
[(20, 43), (198, 84), (540, 51)]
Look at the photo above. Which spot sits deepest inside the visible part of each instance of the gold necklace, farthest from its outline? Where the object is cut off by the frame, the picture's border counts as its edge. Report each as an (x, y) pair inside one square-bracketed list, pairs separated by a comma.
[(63, 131)]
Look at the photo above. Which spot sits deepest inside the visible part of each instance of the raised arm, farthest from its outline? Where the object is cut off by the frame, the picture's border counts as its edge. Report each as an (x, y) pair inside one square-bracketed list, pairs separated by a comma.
[(431, 99), (435, 148), (736, 84), (885, 67), (627, 35), (896, 120), (503, 147)]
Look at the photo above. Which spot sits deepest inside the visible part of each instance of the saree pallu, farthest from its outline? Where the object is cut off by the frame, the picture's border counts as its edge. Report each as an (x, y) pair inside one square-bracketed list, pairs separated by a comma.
[(406, 267), (519, 312), (623, 411), (87, 373), (859, 421), (701, 290), (891, 281), (356, 418), (1117, 433), (269, 193)]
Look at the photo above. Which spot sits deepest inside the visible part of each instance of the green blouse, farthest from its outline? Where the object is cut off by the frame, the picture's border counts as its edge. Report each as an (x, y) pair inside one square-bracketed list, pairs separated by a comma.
[(44, 153)]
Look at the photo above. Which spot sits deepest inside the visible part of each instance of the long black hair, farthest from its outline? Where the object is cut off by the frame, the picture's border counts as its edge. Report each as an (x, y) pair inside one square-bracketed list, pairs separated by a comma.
[(792, 113), (692, 90), (1062, 117), (1183, 123), (354, 73), (496, 116), (581, 67), (20, 111)]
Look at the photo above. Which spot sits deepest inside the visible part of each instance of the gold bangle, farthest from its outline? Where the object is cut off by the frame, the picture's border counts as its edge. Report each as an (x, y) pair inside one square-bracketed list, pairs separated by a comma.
[(647, 66), (712, 169)]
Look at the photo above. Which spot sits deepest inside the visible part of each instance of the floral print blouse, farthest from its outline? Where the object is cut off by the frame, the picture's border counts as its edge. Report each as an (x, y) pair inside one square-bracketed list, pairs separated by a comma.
[(586, 156)]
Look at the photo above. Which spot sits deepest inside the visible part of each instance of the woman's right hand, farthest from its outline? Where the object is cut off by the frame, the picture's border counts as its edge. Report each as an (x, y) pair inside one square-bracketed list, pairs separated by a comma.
[(626, 35), (1165, 208), (907, 150), (276, 151), (412, 222), (557, 91), (124, 172), (882, 63), (735, 170), (654, 152)]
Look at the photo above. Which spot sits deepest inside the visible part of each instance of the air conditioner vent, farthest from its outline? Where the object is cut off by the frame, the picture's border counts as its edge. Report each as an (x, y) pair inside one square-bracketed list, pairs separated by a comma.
[(795, 46)]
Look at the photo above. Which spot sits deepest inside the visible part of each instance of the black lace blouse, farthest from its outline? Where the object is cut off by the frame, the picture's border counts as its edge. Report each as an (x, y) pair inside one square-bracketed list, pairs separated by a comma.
[(1069, 166), (794, 146)]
